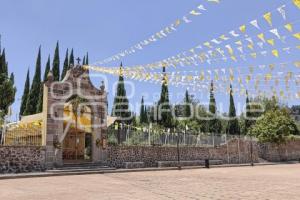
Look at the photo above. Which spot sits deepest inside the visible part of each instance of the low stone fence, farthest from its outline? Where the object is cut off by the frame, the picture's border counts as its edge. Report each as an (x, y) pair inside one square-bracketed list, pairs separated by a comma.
[(285, 152), (237, 151), (19, 159)]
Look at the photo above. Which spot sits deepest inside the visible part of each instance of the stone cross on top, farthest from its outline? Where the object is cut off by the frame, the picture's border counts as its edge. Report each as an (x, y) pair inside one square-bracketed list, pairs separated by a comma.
[(78, 60)]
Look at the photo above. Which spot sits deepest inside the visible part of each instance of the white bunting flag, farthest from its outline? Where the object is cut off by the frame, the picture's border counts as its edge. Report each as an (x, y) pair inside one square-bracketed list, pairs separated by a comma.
[(275, 32), (186, 20), (243, 57), (215, 41), (283, 38), (234, 34), (263, 53), (240, 49), (249, 39), (261, 45), (287, 50), (163, 33), (255, 24), (201, 7), (282, 11)]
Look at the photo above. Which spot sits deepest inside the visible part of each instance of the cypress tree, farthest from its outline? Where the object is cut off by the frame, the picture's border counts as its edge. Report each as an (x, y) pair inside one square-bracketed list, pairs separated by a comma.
[(87, 58), (233, 127), (66, 66), (142, 112), (47, 69), (33, 98), (3, 64), (165, 118), (41, 95), (12, 78), (55, 64), (83, 61), (187, 106), (7, 89), (121, 104), (214, 124), (25, 94), (71, 60)]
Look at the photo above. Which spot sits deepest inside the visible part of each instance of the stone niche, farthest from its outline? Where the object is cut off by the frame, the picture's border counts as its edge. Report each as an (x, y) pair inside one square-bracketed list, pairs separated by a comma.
[(76, 83)]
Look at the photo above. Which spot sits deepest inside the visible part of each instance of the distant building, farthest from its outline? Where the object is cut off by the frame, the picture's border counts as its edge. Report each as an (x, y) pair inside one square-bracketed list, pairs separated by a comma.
[(295, 112)]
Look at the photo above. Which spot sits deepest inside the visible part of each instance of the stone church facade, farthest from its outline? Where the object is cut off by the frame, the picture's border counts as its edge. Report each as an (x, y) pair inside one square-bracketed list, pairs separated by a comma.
[(55, 129)]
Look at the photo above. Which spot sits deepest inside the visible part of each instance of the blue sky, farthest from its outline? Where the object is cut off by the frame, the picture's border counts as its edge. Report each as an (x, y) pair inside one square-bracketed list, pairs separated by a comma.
[(105, 27)]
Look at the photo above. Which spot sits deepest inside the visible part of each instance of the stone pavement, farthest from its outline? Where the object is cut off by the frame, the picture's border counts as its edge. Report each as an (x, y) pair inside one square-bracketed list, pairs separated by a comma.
[(261, 182)]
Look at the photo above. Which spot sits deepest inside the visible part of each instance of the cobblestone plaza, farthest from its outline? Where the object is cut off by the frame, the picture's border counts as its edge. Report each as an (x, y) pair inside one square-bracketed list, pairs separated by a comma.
[(260, 182)]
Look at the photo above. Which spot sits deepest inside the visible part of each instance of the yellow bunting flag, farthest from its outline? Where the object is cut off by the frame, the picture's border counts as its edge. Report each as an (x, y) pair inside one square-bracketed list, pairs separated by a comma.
[(271, 42), (223, 37), (239, 42), (297, 3), (254, 55), (248, 78), (268, 18), (297, 64), (250, 46), (193, 12), (297, 35), (268, 77), (207, 44), (233, 58), (261, 37), (177, 23), (243, 28), (289, 27), (275, 53)]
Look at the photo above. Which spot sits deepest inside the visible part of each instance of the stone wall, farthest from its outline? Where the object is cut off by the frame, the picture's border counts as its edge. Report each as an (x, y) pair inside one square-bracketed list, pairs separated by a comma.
[(19, 159), (236, 152), (286, 152)]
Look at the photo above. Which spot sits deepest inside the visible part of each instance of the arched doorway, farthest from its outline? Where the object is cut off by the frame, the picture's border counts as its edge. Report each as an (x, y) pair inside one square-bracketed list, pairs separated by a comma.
[(77, 144)]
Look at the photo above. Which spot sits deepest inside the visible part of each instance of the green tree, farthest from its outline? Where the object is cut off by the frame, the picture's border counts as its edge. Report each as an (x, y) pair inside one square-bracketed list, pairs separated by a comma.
[(233, 127), (143, 113), (214, 124), (83, 61), (12, 78), (41, 95), (71, 60), (187, 106), (55, 64), (87, 58), (3, 63), (66, 66), (121, 104), (25, 94), (275, 126), (7, 88), (33, 98), (165, 117)]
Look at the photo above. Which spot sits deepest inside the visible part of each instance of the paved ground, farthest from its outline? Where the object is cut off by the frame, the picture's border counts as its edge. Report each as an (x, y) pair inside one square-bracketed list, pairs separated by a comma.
[(264, 182)]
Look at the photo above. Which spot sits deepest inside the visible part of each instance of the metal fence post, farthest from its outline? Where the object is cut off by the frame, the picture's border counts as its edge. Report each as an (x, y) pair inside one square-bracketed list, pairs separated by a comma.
[(178, 152)]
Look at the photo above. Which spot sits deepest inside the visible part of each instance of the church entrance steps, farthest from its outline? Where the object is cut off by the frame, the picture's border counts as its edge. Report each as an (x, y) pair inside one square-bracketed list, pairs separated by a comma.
[(81, 167)]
